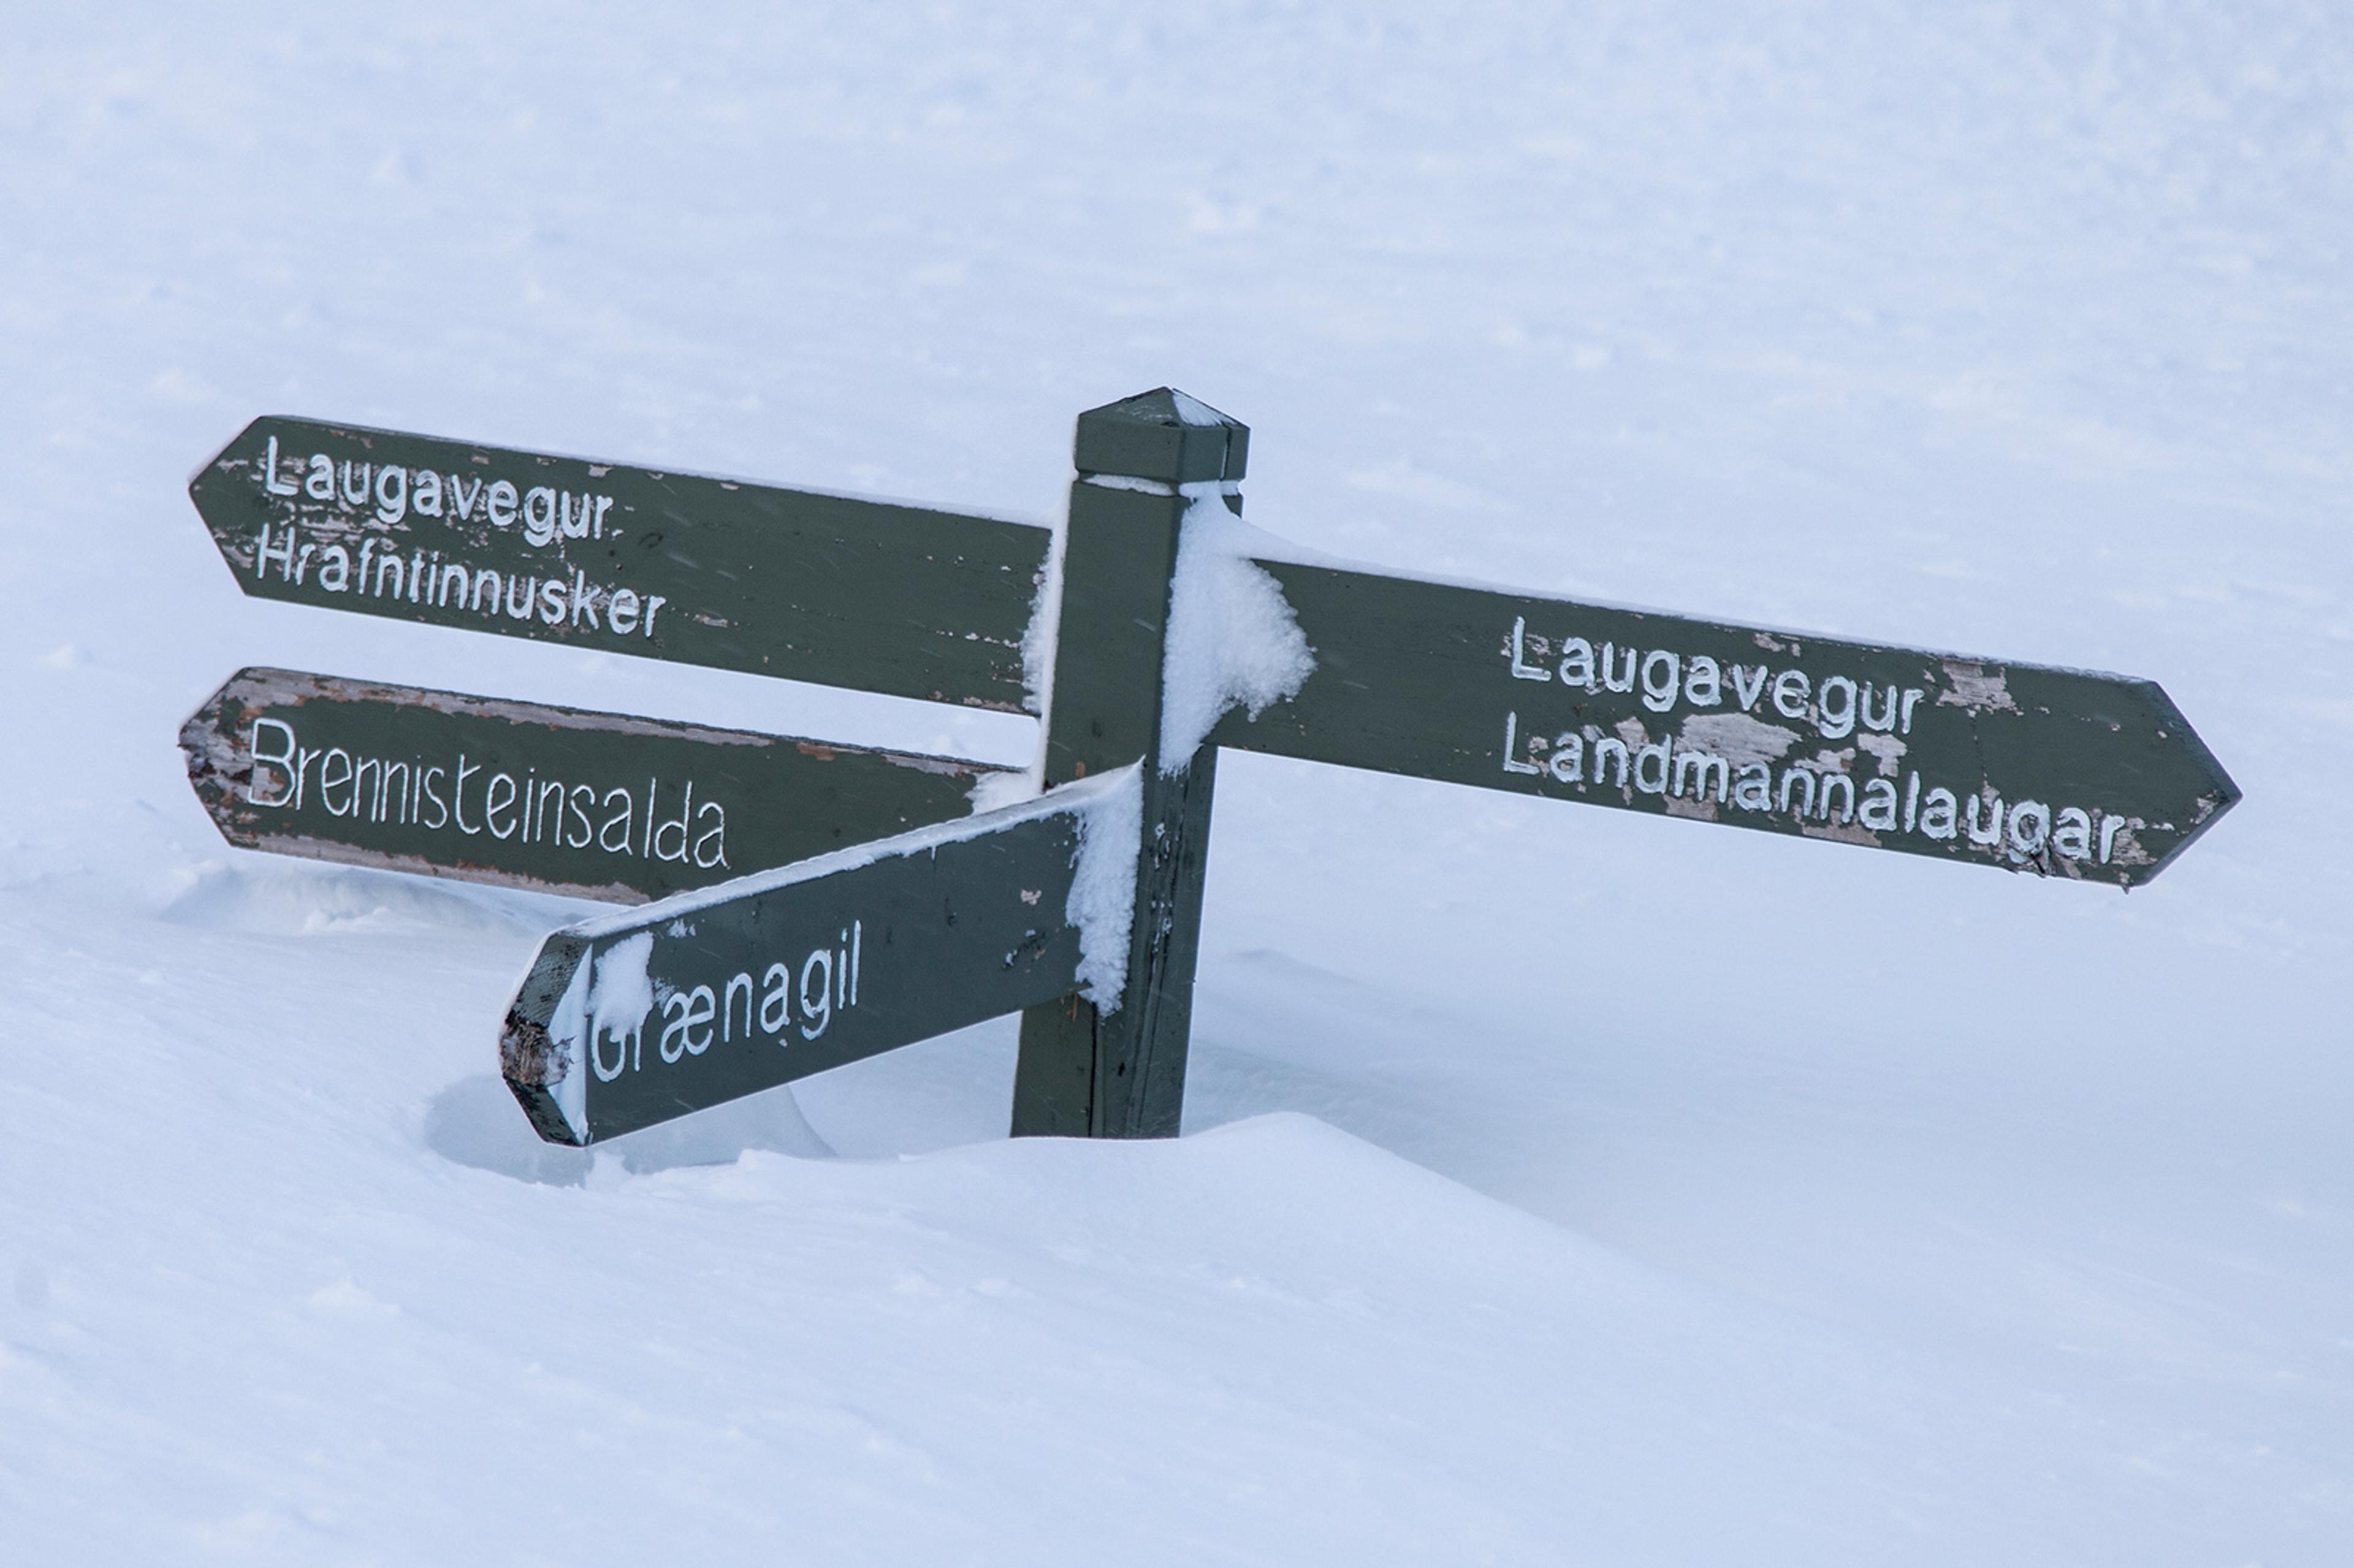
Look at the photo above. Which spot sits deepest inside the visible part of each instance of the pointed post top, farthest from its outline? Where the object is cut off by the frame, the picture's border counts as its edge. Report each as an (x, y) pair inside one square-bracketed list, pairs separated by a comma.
[(1164, 436)]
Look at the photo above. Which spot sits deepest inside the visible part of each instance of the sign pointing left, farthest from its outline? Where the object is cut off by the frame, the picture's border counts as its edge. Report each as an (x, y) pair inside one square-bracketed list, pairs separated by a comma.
[(706, 997), (526, 795), (826, 589)]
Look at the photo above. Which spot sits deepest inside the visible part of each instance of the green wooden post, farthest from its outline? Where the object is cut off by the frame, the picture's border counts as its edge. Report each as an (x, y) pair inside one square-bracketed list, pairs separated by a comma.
[(1085, 1072)]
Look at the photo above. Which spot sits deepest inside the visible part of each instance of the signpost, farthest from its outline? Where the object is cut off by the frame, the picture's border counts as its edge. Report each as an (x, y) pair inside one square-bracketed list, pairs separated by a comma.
[(2091, 777), (705, 997), (524, 795), (1080, 908), (825, 589), (1085, 1070)]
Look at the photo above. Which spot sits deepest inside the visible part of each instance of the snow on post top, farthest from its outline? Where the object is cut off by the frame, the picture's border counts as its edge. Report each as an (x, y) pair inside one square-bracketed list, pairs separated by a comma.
[(1163, 436)]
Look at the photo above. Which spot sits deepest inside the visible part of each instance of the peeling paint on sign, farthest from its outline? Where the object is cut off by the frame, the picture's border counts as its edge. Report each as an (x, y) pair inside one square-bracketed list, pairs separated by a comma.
[(594, 805), (2021, 767)]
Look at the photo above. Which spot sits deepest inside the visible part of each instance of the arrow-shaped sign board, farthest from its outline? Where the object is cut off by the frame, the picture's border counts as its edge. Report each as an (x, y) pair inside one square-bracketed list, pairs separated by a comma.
[(619, 559), (524, 795), (2065, 772), (705, 997), (731, 983)]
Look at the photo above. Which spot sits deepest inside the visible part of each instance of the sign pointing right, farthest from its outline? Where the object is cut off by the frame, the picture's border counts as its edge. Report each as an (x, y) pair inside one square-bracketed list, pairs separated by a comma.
[(2063, 772)]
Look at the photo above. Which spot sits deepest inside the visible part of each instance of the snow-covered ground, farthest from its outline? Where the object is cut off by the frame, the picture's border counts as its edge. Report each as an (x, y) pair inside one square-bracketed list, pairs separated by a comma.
[(1560, 1186)]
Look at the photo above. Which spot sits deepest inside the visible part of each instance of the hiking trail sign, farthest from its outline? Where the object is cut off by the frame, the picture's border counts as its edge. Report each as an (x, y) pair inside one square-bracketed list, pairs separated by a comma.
[(816, 902), (524, 795), (737, 576), (705, 997), (2090, 776)]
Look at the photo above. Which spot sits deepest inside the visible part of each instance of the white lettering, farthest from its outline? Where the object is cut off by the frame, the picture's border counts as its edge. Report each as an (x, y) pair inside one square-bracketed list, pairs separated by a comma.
[(1878, 811), (539, 515), (2031, 828), (1662, 675), (269, 481), (1622, 678), (622, 611), (1835, 702), (2073, 836), (1513, 763), (1940, 813), (1517, 650), (495, 800), (817, 968), (775, 1010), (1694, 768), (283, 554), (391, 493), (727, 1008), (1649, 780), (282, 760), (711, 843), (1991, 833), (1568, 763)]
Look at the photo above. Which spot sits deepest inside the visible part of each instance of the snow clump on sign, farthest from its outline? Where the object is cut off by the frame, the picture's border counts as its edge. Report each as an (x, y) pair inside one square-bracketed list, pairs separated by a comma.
[(614, 1004), (1234, 641), (1102, 904)]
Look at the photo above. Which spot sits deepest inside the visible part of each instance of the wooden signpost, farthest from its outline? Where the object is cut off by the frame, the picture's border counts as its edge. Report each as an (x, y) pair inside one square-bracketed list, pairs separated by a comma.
[(737, 575), (1085, 1071), (524, 795), (1080, 908), (2091, 777), (705, 997)]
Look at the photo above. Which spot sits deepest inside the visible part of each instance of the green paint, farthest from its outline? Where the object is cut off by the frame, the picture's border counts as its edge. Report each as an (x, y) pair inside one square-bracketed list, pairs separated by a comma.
[(523, 794), (2063, 772), (629, 560), (705, 998)]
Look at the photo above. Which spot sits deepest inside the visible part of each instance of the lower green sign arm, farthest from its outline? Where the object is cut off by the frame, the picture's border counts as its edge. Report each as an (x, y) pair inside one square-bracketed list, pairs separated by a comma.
[(705, 997), (524, 795)]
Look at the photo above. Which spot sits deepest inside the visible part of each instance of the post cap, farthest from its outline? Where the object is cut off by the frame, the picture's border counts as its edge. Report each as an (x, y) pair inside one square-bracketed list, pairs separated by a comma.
[(1161, 435)]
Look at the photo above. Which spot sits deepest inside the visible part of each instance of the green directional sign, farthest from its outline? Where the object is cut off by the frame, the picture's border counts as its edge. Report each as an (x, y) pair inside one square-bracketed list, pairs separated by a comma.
[(817, 903), (2063, 772), (487, 790), (623, 559), (705, 997)]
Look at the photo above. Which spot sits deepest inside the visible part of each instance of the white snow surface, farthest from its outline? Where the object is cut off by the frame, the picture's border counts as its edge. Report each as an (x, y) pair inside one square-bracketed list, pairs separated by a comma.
[(1559, 1185)]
